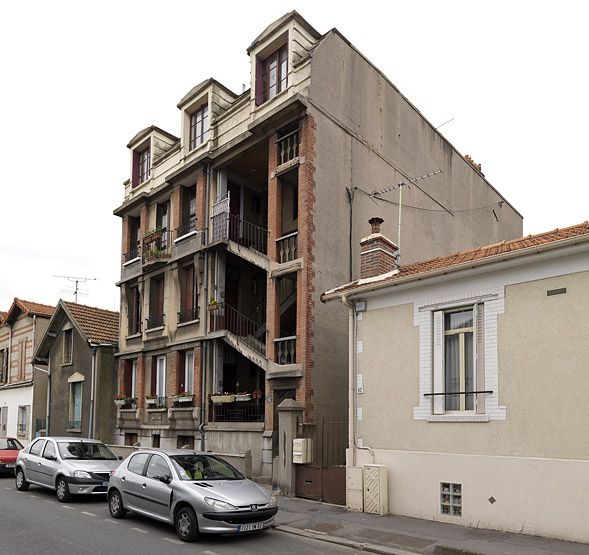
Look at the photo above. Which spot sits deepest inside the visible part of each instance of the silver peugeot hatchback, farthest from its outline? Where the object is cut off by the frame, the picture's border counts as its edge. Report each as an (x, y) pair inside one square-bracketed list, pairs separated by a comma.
[(67, 465), (196, 492)]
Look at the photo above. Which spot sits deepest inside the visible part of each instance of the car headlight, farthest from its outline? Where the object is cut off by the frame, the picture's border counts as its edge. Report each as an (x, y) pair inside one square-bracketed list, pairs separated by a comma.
[(81, 474), (272, 502), (219, 505)]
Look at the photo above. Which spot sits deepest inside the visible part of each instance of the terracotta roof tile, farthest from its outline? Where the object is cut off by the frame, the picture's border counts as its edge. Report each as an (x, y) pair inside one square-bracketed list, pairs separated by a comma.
[(35, 308), (475, 254), (99, 325), (2, 316)]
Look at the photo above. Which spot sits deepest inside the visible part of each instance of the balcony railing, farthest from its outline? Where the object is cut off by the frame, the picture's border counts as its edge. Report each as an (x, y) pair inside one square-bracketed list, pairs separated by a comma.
[(188, 315), (286, 349), (288, 247), (155, 402), (74, 424), (238, 411), (186, 228), (225, 317), (156, 245), (288, 147), (227, 226), (155, 321), (132, 254)]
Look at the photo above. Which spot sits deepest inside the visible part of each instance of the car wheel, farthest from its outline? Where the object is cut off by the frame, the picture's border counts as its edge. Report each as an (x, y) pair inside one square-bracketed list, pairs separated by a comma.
[(115, 504), (21, 482), (62, 490), (186, 524)]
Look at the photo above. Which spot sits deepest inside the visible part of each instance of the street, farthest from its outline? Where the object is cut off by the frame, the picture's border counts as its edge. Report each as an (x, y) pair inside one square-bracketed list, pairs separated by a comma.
[(34, 522)]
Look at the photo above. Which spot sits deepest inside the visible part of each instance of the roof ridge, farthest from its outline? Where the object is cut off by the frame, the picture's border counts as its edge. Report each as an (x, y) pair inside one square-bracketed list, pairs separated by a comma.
[(70, 303)]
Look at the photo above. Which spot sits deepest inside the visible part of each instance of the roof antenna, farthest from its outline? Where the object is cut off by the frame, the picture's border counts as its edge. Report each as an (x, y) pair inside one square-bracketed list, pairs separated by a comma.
[(77, 280), (400, 186)]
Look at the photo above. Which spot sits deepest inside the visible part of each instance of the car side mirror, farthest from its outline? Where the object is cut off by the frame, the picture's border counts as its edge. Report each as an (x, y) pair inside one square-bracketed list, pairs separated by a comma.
[(120, 457), (165, 479)]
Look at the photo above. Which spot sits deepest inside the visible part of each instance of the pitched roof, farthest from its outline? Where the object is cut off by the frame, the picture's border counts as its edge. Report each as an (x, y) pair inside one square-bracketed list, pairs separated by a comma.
[(97, 324), (2, 316), (468, 257), (27, 307)]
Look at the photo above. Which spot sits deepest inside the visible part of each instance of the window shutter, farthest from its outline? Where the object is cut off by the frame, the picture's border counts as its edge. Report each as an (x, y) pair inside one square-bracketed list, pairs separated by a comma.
[(438, 362), (480, 358), (259, 84), (153, 375), (135, 170)]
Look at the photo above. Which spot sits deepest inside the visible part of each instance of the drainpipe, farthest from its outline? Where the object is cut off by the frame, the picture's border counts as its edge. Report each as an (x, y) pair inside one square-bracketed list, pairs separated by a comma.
[(48, 411), (205, 344), (92, 404)]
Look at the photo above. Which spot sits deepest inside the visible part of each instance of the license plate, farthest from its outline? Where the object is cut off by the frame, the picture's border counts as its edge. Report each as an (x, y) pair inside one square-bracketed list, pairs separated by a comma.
[(9, 466), (251, 526)]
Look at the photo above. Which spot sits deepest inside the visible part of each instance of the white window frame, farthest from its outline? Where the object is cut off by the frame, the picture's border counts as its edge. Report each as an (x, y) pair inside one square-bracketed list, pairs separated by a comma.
[(23, 410), (133, 377), (189, 371), (75, 385), (160, 377)]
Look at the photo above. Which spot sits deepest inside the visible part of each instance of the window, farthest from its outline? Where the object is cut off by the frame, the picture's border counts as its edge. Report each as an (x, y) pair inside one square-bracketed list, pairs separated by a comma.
[(134, 309), (22, 359), (450, 499), (133, 225), (4, 421), (186, 372), (75, 412), (49, 452), (68, 347), (23, 419), (144, 161), (188, 294), (156, 302), (459, 360), (199, 125), (162, 223), (137, 463), (157, 467), (129, 378), (37, 447), (158, 376), (274, 73), (3, 365), (187, 211)]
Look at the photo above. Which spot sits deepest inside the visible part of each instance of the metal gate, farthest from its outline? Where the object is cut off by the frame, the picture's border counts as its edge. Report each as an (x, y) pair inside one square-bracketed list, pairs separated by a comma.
[(324, 479)]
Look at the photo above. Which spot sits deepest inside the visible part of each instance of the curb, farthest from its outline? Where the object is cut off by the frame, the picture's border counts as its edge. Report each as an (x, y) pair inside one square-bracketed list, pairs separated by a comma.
[(360, 546)]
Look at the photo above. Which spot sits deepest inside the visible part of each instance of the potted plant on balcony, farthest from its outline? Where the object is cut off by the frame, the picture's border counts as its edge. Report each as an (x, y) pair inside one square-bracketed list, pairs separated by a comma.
[(123, 400), (222, 398), (213, 305), (152, 400), (244, 396), (184, 397)]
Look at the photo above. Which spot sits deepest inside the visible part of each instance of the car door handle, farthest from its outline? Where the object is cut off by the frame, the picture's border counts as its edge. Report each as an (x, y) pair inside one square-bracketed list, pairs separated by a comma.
[(123, 479), (38, 464), (144, 485)]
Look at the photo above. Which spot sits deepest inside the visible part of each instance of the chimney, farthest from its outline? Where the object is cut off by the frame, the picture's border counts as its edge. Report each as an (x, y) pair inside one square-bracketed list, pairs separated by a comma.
[(469, 159), (378, 255)]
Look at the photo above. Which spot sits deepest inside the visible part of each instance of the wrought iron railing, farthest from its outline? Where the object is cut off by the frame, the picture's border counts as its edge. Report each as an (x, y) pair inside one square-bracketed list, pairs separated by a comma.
[(155, 321), (238, 411), (156, 245), (288, 147), (74, 424), (22, 428), (286, 349), (188, 315), (186, 228), (225, 317), (227, 226), (155, 402), (288, 247), (131, 254)]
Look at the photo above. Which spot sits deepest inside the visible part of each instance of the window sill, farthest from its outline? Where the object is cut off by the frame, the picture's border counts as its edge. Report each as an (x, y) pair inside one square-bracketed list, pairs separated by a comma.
[(157, 328), (133, 336), (182, 324), (185, 236), (269, 101), (157, 409), (132, 261), (458, 418), (67, 364), (74, 430)]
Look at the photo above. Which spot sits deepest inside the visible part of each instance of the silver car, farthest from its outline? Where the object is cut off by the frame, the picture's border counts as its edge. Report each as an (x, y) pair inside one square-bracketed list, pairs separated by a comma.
[(67, 465), (196, 492)]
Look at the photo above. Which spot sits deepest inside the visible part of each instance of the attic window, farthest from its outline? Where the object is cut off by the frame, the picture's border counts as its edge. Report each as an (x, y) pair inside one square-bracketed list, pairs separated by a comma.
[(199, 125), (272, 75), (141, 165)]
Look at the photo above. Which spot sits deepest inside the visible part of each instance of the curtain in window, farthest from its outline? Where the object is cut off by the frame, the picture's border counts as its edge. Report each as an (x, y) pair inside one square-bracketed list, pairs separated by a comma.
[(452, 371)]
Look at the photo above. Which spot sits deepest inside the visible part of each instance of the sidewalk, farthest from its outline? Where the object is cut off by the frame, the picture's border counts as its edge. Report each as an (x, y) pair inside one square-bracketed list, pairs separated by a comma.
[(404, 536)]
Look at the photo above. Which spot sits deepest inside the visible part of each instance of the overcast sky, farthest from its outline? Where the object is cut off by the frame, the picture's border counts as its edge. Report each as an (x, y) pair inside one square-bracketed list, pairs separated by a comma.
[(79, 79)]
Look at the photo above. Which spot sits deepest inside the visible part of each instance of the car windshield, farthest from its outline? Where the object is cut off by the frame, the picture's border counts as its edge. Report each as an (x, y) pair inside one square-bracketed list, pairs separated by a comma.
[(11, 444), (191, 467), (82, 451)]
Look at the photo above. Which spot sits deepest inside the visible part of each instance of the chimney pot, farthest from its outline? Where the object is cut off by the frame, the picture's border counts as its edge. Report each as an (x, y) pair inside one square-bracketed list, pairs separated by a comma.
[(375, 223)]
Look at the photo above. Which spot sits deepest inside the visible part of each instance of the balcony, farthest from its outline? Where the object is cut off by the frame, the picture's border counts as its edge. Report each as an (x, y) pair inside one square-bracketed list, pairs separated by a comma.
[(237, 411), (225, 317), (187, 228), (156, 247), (187, 240), (286, 350), (288, 247), (226, 226), (288, 147), (189, 315), (131, 264), (154, 322)]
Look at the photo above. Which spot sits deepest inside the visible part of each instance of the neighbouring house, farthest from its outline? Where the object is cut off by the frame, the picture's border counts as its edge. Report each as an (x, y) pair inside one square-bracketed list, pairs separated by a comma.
[(232, 229), (461, 369), (78, 349), (23, 386)]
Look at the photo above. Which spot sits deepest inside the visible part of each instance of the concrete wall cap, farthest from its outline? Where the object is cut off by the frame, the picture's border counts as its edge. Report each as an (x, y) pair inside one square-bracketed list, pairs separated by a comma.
[(290, 405)]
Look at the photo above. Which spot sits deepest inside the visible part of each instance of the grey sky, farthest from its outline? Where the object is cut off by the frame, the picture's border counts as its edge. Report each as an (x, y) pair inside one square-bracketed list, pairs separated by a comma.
[(79, 79)]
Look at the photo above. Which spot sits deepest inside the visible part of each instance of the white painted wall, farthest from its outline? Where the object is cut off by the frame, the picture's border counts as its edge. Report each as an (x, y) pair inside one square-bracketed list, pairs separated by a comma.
[(12, 399)]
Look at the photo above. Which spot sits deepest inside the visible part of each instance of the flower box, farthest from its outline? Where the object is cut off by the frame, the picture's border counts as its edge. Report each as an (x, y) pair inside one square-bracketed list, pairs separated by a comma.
[(155, 401), (183, 398), (222, 398), (124, 402), (243, 397)]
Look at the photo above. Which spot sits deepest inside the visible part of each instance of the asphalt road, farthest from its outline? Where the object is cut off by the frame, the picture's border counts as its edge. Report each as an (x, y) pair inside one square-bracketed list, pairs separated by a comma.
[(34, 522)]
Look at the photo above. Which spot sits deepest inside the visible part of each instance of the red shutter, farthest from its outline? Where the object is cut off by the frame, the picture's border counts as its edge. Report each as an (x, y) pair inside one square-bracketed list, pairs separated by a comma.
[(259, 86), (153, 375), (135, 169), (128, 378)]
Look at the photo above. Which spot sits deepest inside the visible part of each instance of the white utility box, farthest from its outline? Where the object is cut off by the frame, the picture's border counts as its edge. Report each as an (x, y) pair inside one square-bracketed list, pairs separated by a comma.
[(376, 494), (302, 450), (355, 488)]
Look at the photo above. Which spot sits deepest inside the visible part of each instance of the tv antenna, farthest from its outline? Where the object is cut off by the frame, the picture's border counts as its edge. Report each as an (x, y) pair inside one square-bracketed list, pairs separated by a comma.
[(77, 280), (400, 186)]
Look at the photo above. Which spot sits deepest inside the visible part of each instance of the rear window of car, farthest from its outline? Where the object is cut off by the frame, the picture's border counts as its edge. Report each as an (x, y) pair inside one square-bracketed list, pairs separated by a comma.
[(11, 444), (137, 463)]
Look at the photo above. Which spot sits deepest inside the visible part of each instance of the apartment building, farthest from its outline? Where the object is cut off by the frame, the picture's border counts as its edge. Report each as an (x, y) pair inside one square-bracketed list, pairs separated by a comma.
[(23, 386), (232, 229)]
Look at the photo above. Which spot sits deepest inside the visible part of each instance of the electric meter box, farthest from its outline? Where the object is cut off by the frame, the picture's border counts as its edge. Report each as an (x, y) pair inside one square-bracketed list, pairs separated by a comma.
[(302, 450)]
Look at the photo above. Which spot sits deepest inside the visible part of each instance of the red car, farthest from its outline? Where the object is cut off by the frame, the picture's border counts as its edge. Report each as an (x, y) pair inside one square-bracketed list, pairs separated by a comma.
[(9, 448)]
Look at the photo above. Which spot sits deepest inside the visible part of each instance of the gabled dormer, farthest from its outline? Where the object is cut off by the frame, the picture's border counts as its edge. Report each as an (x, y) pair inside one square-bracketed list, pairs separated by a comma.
[(276, 57), (200, 107), (147, 148)]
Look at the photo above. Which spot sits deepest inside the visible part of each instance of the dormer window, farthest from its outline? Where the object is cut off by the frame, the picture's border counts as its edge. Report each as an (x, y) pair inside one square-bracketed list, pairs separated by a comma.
[(275, 73), (144, 165), (199, 125)]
